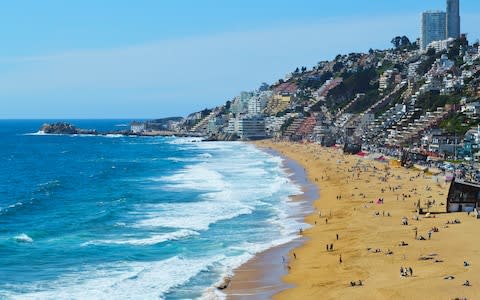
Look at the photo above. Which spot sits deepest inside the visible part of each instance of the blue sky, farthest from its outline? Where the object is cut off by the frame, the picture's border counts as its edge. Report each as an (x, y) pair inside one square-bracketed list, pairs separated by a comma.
[(147, 59)]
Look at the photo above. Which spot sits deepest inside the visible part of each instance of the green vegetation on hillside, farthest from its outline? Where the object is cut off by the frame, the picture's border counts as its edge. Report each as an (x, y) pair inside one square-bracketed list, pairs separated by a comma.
[(364, 102), (431, 100), (458, 123), (353, 83)]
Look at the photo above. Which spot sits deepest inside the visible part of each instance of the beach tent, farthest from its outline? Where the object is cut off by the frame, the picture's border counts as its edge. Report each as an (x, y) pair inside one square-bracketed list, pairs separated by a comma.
[(379, 201), (395, 163)]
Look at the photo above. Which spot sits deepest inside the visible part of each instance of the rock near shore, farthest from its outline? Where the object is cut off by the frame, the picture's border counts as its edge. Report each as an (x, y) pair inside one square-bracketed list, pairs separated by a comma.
[(64, 128)]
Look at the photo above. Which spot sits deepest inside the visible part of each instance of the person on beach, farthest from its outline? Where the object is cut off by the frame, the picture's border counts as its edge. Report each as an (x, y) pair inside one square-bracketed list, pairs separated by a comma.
[(326, 221), (294, 255), (340, 259), (411, 271), (331, 247), (337, 236)]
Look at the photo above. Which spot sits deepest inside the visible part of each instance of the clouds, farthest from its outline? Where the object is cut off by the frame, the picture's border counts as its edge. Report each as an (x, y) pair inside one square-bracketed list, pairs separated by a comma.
[(179, 75)]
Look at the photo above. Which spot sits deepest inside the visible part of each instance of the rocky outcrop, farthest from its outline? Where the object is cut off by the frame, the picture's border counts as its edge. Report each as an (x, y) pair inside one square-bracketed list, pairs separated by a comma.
[(222, 137), (64, 128)]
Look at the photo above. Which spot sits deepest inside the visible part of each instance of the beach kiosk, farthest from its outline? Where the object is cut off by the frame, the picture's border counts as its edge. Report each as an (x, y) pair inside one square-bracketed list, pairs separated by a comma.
[(463, 196)]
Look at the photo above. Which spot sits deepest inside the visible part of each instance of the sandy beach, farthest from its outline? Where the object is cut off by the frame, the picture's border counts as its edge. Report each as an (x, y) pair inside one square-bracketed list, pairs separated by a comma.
[(359, 245)]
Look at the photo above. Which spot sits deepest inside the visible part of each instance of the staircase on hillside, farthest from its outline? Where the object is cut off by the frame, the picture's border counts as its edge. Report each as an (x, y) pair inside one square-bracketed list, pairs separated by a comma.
[(203, 124), (418, 127)]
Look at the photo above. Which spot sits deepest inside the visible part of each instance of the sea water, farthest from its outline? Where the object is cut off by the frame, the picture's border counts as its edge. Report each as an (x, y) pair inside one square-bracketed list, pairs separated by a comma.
[(112, 217)]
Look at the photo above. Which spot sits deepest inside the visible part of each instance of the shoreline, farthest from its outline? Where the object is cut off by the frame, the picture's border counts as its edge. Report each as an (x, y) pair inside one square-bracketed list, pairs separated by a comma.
[(370, 234), (261, 276)]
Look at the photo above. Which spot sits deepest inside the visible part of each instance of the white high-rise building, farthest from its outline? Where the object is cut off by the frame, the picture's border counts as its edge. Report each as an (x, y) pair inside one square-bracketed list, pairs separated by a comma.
[(433, 27)]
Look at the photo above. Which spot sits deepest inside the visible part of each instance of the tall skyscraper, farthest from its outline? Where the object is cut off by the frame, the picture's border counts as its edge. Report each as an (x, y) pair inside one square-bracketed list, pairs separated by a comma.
[(453, 19), (433, 27)]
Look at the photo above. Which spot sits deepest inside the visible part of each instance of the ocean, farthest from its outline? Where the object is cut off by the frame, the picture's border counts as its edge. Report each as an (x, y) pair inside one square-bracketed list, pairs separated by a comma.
[(113, 217)]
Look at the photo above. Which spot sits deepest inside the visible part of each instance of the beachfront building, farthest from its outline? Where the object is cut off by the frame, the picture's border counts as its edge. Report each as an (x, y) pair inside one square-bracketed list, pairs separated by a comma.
[(453, 19), (214, 125), (463, 196), (251, 127), (137, 127), (240, 103), (278, 103), (433, 27), (232, 127), (258, 103)]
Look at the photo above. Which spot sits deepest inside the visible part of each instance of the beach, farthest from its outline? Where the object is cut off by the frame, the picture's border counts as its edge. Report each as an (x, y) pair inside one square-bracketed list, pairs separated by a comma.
[(367, 240)]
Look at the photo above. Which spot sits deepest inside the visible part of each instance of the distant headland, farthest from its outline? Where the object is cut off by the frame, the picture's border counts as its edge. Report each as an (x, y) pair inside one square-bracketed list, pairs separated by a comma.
[(136, 129)]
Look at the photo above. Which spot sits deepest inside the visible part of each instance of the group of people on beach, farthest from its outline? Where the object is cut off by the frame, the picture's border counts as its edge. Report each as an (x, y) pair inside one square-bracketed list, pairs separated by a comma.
[(329, 247), (406, 272)]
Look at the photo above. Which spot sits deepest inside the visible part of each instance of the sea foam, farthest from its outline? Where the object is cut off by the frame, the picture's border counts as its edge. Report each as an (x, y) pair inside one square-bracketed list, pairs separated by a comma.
[(23, 238)]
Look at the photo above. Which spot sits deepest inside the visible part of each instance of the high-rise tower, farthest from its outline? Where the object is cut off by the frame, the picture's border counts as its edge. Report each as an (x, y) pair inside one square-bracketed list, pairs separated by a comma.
[(433, 27), (453, 19)]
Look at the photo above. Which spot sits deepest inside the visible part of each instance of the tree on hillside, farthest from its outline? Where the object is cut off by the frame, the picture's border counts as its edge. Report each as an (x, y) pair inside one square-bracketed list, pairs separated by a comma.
[(263, 87), (228, 104), (431, 52), (454, 50), (337, 67), (400, 42), (353, 83)]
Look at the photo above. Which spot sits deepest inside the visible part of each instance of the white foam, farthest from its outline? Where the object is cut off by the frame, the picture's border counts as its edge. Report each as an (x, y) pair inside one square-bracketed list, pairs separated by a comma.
[(205, 155), (114, 135), (40, 132), (197, 177), (139, 280), (153, 240), (23, 238), (182, 159), (185, 140), (193, 215)]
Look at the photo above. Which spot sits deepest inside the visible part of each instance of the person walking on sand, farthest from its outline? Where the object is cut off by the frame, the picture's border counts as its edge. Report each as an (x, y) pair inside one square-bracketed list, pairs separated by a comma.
[(411, 271), (294, 255), (340, 259), (326, 221), (337, 236)]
